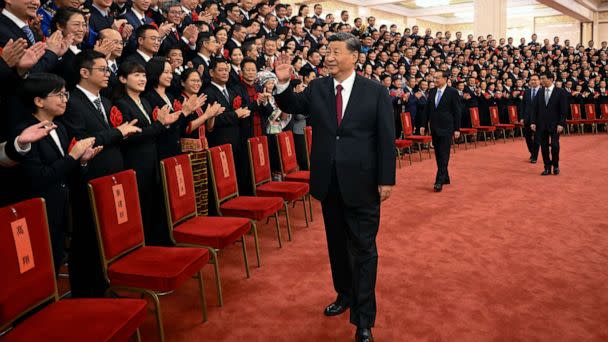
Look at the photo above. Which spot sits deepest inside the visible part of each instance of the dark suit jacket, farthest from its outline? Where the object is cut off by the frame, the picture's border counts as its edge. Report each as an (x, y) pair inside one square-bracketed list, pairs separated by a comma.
[(168, 142), (98, 22), (527, 106), (547, 117), (135, 57), (446, 117), (82, 120), (196, 62), (362, 148), (226, 128)]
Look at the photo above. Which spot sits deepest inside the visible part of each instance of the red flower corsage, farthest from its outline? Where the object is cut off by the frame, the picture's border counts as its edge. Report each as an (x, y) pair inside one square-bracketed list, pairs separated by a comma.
[(115, 117), (177, 106), (72, 143), (237, 102), (194, 16), (155, 114)]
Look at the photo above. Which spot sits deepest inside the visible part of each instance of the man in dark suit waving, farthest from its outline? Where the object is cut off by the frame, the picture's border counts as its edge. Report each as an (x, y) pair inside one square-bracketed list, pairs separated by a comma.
[(548, 120), (352, 170), (527, 106), (444, 113)]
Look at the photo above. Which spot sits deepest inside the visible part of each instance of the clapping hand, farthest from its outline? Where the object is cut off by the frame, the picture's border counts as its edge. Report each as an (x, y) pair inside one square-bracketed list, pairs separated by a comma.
[(13, 51), (193, 103), (34, 133), (165, 117), (81, 147), (283, 68), (128, 128)]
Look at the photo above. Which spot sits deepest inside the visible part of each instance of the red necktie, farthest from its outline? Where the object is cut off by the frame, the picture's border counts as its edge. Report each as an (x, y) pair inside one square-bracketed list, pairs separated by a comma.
[(339, 103)]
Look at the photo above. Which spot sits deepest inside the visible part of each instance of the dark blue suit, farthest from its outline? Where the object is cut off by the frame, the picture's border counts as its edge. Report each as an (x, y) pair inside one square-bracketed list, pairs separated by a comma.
[(525, 113)]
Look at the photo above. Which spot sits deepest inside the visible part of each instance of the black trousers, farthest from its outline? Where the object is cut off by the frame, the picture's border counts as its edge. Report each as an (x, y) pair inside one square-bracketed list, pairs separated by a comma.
[(531, 141), (442, 146), (301, 151), (351, 242), (550, 156)]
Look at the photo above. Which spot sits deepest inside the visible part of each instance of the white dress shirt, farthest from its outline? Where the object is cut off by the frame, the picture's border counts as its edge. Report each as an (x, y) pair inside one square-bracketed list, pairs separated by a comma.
[(56, 140), (548, 94), (20, 23), (144, 55), (92, 97)]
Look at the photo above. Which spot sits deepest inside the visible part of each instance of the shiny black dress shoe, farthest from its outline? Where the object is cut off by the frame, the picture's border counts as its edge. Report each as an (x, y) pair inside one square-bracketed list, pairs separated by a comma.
[(364, 335), (556, 171), (533, 161), (546, 172), (335, 308), (447, 182), (438, 187)]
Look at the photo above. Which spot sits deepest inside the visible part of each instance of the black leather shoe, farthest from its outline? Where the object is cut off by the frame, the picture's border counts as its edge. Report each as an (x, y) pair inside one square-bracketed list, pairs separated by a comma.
[(438, 187), (364, 335), (546, 172), (335, 308), (447, 182), (533, 161), (556, 171)]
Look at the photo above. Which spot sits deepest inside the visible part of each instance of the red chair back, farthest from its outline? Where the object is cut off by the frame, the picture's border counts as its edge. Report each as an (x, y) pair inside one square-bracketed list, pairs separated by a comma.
[(28, 275), (494, 115), (575, 111), (406, 123), (590, 111), (604, 110), (178, 186), (474, 112), (223, 173), (512, 114), (117, 214), (308, 137), (287, 152), (259, 160)]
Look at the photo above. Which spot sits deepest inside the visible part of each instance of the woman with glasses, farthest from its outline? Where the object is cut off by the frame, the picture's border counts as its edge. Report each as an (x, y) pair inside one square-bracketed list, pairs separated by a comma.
[(70, 21), (140, 150), (53, 162)]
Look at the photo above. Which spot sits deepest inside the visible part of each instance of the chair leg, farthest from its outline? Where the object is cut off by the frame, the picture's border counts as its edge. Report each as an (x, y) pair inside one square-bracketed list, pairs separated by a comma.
[(399, 157), (218, 281), (153, 296), (475, 141), (256, 242), (428, 148), (310, 207), (410, 154), (420, 150), (494, 137), (454, 145), (137, 335), (504, 136), (245, 258), (465, 142), (288, 222), (201, 287), (305, 213), (485, 138), (276, 219)]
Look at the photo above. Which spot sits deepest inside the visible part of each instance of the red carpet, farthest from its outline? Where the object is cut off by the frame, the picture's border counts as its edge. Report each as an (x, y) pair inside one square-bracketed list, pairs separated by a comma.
[(502, 254)]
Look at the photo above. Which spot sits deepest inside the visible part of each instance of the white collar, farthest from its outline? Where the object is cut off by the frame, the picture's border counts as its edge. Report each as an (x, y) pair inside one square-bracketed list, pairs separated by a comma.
[(443, 88), (92, 97), (236, 42), (347, 83), (103, 12), (207, 59), (20, 23), (221, 88), (551, 88), (186, 10), (144, 55), (139, 15), (75, 50)]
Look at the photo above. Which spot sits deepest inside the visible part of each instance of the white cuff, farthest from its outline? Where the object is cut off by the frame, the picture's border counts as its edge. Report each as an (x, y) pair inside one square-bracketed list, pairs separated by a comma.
[(5, 161), (281, 87), (22, 151), (185, 40)]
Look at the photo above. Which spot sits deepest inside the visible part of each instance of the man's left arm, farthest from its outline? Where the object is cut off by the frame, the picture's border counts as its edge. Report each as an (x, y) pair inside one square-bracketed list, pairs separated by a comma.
[(563, 107), (385, 133), (457, 108)]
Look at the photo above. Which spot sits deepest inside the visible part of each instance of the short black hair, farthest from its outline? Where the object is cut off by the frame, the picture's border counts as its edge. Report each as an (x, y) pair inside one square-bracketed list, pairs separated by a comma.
[(141, 31), (63, 15), (216, 61), (86, 59), (39, 85), (154, 69), (201, 38), (248, 60), (353, 44), (549, 75)]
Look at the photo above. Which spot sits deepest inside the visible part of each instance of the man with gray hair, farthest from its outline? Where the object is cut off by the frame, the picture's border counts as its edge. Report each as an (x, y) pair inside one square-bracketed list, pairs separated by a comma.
[(352, 170)]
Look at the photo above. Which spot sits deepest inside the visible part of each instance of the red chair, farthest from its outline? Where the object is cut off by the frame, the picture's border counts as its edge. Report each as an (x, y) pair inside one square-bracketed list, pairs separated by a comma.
[(408, 134), (289, 163), (226, 193), (30, 309), (188, 230), (464, 131), (604, 115), (308, 139), (590, 117), (577, 119), (128, 264), (262, 182), (514, 119), (400, 145), (495, 119), (474, 112)]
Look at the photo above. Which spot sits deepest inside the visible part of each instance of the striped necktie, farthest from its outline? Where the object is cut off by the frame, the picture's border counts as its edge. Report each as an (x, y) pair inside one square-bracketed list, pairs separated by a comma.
[(29, 34)]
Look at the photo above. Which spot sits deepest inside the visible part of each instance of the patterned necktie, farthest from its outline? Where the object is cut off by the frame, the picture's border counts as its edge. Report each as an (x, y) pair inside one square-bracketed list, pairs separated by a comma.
[(547, 97), (226, 95), (97, 103), (534, 93), (29, 34), (437, 98), (339, 103)]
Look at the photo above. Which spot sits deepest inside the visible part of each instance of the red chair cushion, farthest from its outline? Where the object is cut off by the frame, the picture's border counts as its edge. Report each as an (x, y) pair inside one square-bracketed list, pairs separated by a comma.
[(212, 231), (505, 126), (157, 268), (20, 291), (402, 143), (118, 238), (255, 208), (298, 176), (288, 191), (468, 130), (82, 320), (423, 139), (485, 128), (181, 206), (574, 122)]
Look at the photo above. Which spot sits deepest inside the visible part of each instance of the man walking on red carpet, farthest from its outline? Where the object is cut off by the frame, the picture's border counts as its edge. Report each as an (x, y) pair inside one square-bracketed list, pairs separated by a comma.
[(352, 170), (443, 111), (548, 120)]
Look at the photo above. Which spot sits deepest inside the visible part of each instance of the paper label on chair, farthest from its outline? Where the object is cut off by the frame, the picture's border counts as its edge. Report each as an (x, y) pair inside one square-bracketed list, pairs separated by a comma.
[(225, 168), (288, 146), (23, 245), (181, 185), (119, 204), (261, 155)]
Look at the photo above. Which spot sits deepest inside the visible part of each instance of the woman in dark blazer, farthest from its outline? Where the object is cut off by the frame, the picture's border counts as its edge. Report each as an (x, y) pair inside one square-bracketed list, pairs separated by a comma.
[(53, 162), (70, 20), (140, 150)]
